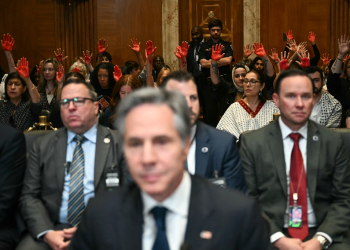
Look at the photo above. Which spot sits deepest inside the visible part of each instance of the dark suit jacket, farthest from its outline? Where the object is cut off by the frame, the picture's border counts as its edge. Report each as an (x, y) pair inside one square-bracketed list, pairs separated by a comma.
[(222, 156), (115, 220), (44, 179), (12, 167), (328, 176)]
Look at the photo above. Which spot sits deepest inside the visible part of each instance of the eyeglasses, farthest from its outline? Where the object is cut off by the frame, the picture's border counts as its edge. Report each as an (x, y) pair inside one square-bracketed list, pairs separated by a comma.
[(77, 101), (251, 81)]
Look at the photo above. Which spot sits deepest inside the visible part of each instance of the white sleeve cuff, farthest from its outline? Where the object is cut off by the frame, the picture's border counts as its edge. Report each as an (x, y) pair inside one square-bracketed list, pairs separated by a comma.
[(276, 236), (326, 236), (42, 234)]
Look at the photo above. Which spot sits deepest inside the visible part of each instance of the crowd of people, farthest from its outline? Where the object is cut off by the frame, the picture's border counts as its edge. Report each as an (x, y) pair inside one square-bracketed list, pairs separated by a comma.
[(146, 141)]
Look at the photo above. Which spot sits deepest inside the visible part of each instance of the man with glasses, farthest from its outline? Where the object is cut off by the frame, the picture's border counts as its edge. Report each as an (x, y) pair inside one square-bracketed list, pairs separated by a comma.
[(68, 167)]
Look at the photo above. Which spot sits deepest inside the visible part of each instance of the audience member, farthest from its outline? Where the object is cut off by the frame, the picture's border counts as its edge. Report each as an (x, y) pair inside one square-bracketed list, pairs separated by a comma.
[(68, 167), (13, 160), (254, 111), (187, 210), (193, 65), (81, 68), (133, 68), (327, 110), (212, 153), (303, 168)]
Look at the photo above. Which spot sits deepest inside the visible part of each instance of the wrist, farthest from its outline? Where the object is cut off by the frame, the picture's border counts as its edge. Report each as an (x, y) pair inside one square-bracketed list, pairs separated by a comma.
[(340, 57), (323, 241)]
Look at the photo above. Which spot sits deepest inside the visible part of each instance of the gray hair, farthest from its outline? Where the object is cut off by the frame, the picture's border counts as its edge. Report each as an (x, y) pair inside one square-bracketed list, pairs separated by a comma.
[(173, 99), (80, 66)]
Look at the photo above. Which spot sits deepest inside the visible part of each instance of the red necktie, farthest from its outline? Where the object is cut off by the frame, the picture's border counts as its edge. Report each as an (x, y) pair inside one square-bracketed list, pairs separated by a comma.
[(298, 185)]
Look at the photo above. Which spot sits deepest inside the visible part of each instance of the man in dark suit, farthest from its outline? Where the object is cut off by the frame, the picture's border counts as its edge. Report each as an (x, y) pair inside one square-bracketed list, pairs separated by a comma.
[(68, 167), (12, 166), (213, 153), (296, 165), (166, 208), (192, 58)]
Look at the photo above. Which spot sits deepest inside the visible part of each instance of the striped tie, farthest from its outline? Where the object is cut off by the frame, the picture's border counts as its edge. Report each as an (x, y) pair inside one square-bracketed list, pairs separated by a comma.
[(76, 203)]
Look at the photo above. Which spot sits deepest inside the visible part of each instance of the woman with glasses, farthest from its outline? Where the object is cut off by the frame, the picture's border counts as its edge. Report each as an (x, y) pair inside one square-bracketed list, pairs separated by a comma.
[(21, 106), (253, 111)]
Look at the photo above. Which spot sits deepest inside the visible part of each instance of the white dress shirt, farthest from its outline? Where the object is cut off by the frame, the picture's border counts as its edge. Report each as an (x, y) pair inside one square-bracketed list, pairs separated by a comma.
[(288, 144), (176, 217), (191, 156)]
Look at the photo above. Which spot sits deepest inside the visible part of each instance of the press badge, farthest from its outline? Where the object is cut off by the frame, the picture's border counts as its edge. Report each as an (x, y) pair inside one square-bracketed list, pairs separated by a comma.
[(295, 216), (112, 178)]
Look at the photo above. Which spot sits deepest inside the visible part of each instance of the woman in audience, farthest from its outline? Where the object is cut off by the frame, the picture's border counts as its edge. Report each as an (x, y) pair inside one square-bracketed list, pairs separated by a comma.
[(162, 74), (82, 69), (48, 85), (253, 111), (125, 85), (21, 106)]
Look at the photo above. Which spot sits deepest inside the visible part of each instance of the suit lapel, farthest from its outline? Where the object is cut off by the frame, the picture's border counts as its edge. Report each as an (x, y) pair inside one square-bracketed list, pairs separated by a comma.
[(202, 150), (60, 150), (313, 153), (102, 149), (276, 150)]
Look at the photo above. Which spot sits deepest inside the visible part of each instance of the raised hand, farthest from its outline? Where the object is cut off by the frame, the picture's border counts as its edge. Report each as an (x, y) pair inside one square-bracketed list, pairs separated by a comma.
[(184, 49), (60, 73), (345, 58), (312, 37), (216, 52), (87, 57), (177, 52), (117, 73), (259, 50), (305, 61), (343, 45), (60, 55), (150, 50), (283, 62), (292, 45), (23, 68), (274, 54), (301, 47), (247, 50), (101, 46), (8, 42), (76, 70), (325, 59), (135, 45), (290, 35)]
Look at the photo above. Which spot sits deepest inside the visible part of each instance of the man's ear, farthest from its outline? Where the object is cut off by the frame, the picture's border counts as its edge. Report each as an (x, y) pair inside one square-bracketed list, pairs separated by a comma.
[(96, 106), (276, 99)]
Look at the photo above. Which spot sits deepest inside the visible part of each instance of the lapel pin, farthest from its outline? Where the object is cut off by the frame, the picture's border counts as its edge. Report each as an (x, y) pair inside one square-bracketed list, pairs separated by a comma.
[(106, 140), (206, 235), (315, 138), (205, 149)]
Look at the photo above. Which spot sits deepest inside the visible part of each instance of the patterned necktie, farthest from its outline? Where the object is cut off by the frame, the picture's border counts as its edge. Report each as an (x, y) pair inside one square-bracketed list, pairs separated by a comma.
[(298, 185), (161, 242), (76, 204)]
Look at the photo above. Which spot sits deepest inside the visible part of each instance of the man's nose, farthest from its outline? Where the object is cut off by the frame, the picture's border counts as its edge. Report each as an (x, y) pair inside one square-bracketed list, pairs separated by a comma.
[(148, 153)]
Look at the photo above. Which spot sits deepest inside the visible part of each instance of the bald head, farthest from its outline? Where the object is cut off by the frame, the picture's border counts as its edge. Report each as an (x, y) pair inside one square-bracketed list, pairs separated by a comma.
[(197, 34)]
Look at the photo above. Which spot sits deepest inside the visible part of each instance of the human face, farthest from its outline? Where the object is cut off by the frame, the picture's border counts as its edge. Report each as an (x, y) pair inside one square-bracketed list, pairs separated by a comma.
[(189, 90), (49, 72), (197, 35), (295, 101), (136, 72), (78, 119), (251, 90), (15, 89), (316, 78), (326, 70), (124, 91), (154, 150), (105, 59), (215, 32), (158, 63), (259, 65), (37, 78), (102, 75), (239, 76)]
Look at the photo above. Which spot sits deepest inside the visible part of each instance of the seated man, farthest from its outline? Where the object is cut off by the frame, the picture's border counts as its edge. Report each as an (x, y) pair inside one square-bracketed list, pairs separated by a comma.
[(166, 208), (213, 153), (68, 167), (327, 110), (299, 172)]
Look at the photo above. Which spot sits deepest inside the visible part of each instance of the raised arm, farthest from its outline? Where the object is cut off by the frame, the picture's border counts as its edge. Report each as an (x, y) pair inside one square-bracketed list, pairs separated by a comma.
[(316, 58), (260, 52), (149, 53), (87, 60), (101, 47), (136, 48), (343, 48), (7, 45), (214, 67), (181, 53)]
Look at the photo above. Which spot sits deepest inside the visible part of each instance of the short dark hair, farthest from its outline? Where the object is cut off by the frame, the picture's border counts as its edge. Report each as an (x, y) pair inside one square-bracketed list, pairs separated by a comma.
[(131, 65), (91, 89), (14, 75), (214, 23), (252, 64), (105, 54), (314, 69), (289, 73), (180, 75)]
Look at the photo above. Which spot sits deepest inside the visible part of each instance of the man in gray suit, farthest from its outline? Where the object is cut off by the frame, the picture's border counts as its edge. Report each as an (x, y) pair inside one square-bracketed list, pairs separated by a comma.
[(68, 167), (299, 172)]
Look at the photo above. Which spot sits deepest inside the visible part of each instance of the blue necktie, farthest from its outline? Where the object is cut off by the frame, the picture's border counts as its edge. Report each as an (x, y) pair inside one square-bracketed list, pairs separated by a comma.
[(76, 203), (161, 242)]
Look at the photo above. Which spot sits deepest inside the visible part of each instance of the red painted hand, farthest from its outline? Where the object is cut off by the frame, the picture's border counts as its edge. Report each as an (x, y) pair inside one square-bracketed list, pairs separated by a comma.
[(247, 50), (259, 50), (283, 63), (274, 54), (290, 35), (177, 52), (60, 73), (135, 45), (8, 42), (87, 57), (150, 50), (101, 45), (76, 70), (311, 36), (23, 68), (325, 59), (216, 52), (184, 49), (117, 73), (59, 55), (305, 61)]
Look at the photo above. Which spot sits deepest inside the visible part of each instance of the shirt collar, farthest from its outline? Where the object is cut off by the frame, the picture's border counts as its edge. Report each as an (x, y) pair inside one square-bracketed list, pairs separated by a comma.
[(89, 135), (178, 202), (286, 131)]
